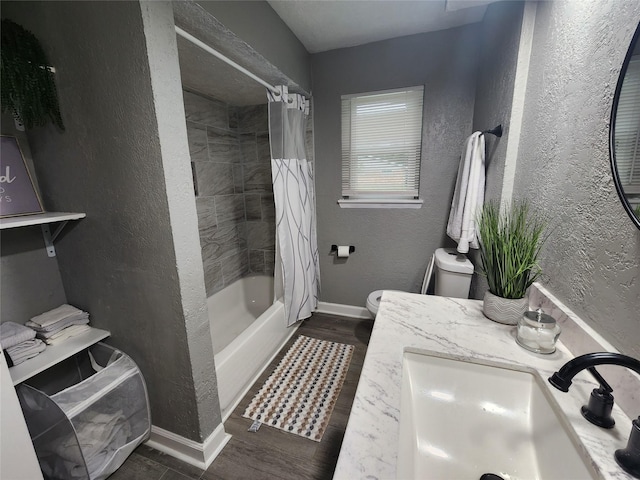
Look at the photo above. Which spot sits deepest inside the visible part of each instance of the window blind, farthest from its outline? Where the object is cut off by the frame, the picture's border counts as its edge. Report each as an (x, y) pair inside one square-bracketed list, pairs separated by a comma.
[(381, 144), (627, 129)]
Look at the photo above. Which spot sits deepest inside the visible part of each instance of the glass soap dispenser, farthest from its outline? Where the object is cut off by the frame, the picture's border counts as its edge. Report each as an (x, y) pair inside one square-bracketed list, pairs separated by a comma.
[(537, 332)]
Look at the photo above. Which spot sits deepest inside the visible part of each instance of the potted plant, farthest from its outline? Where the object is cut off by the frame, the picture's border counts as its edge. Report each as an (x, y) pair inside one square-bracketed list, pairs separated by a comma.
[(27, 89), (510, 241)]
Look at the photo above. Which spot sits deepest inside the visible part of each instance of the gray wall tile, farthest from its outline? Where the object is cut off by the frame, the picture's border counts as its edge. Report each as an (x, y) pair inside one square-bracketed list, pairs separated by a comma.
[(256, 261), (202, 110), (257, 178), (231, 160), (264, 148), (248, 147), (222, 241), (238, 179), (197, 135), (260, 236), (253, 118), (224, 153), (222, 136), (268, 208), (235, 266), (229, 208), (213, 280), (214, 178), (269, 262), (253, 206), (206, 211)]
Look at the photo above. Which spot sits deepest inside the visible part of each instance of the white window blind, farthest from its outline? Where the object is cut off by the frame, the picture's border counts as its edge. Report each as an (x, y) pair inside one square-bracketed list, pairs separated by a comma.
[(627, 129), (381, 144)]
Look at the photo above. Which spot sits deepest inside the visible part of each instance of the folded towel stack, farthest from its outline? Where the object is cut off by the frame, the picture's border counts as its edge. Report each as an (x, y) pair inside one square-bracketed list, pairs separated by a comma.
[(59, 324), (18, 343)]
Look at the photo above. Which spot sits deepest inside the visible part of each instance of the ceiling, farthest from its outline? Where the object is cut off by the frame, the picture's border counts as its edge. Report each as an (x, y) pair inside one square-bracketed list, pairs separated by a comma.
[(319, 24), (323, 25)]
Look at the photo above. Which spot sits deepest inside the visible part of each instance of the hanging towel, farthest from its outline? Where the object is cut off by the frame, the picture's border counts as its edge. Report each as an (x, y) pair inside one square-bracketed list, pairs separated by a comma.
[(468, 197)]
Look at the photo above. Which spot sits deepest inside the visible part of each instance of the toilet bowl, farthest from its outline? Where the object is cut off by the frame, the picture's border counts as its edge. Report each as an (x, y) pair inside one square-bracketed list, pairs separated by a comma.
[(453, 273), (373, 301)]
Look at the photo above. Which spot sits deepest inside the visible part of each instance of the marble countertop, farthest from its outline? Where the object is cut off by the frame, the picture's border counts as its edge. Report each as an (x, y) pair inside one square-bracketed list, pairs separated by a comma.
[(455, 327)]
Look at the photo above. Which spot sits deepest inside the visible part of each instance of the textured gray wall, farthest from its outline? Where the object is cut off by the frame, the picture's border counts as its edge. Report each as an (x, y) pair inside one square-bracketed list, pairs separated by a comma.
[(392, 246), (592, 259), (30, 281), (261, 27), (494, 97), (494, 89), (124, 161)]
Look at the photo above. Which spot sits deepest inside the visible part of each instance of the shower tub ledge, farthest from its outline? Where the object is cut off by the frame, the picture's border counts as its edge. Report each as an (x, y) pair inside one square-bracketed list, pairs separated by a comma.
[(248, 329)]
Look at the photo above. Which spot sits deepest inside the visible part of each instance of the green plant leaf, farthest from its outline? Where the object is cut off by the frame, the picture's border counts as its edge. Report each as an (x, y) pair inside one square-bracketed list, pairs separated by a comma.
[(510, 243)]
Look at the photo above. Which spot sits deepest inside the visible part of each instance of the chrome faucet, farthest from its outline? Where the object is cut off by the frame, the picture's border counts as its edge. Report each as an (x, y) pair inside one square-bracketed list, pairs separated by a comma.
[(598, 411)]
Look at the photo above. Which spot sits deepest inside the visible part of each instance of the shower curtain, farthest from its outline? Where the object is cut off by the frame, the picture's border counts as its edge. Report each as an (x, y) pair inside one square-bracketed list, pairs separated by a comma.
[(294, 195)]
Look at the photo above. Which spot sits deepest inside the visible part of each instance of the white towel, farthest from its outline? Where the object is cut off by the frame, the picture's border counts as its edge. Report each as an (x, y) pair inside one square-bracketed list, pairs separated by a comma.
[(25, 350), (66, 333), (57, 314), (12, 334), (468, 197), (57, 327)]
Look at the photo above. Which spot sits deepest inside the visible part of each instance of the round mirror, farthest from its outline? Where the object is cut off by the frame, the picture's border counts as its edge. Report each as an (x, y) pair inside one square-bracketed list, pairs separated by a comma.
[(624, 137)]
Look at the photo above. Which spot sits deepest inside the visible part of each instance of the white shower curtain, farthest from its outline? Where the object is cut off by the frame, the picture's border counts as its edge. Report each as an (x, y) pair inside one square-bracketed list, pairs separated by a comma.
[(294, 195)]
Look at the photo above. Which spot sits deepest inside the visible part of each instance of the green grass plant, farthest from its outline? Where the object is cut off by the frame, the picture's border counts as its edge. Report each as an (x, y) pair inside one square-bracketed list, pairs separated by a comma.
[(510, 242)]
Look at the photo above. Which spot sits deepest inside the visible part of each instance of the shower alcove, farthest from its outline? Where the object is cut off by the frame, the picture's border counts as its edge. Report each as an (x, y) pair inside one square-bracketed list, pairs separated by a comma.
[(228, 132)]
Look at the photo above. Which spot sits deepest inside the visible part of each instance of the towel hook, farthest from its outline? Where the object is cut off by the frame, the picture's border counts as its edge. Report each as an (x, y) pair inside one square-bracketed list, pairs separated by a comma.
[(497, 131)]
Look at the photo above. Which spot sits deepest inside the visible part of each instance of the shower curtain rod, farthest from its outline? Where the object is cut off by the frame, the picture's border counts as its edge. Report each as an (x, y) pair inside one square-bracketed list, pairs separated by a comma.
[(227, 60)]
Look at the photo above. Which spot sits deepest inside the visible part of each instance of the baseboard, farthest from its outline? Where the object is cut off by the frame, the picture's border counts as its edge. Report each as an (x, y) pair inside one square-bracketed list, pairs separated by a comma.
[(199, 455), (343, 310)]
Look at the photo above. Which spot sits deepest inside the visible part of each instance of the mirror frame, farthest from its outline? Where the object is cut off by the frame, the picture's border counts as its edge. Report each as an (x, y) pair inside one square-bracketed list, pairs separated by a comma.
[(612, 130)]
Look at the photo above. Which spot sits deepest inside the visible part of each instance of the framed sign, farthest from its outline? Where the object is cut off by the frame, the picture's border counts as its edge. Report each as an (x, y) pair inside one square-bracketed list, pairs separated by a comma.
[(17, 194)]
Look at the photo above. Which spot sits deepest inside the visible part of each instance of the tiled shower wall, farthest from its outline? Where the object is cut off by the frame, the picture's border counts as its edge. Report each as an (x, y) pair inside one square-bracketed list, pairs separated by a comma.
[(231, 163)]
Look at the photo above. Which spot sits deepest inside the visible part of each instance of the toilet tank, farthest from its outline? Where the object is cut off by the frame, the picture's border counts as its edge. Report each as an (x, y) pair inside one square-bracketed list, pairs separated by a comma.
[(453, 273)]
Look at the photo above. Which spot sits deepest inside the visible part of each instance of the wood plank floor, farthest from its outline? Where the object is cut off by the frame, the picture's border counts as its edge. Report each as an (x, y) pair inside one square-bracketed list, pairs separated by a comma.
[(271, 453)]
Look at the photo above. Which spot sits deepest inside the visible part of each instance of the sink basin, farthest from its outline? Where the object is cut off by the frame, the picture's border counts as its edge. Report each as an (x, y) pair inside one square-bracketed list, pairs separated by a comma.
[(462, 419)]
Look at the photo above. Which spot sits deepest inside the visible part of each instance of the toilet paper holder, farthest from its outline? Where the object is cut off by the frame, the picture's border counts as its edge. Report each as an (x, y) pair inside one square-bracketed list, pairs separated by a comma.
[(334, 248)]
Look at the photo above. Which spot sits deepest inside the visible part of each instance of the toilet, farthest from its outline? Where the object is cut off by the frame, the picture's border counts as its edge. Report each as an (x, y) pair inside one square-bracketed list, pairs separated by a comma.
[(453, 272)]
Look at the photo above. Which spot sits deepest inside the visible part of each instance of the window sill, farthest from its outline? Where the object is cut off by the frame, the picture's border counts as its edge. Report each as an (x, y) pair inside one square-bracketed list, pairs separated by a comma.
[(379, 203)]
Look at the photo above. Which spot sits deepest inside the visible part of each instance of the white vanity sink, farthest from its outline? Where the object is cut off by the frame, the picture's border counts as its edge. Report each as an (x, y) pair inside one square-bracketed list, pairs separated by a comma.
[(460, 419)]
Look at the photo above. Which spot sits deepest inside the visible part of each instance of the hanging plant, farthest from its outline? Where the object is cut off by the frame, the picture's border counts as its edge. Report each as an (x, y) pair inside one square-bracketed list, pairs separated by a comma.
[(28, 90)]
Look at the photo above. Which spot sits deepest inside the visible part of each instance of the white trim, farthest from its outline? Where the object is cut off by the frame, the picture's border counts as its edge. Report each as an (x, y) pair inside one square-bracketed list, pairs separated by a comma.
[(517, 107), (199, 455), (378, 203), (343, 310)]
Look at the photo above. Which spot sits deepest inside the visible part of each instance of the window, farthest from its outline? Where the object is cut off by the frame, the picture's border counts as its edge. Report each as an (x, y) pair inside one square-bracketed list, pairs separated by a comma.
[(381, 148), (627, 132)]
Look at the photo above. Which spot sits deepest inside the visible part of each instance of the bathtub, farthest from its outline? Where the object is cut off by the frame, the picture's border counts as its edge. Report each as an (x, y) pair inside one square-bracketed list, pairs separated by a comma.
[(247, 330)]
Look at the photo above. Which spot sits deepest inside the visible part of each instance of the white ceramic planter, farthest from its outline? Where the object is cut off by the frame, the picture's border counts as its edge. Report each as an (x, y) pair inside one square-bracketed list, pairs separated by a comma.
[(504, 310)]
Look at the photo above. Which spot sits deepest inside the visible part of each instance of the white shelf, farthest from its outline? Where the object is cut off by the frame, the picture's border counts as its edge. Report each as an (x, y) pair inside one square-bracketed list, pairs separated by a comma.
[(39, 219), (54, 354)]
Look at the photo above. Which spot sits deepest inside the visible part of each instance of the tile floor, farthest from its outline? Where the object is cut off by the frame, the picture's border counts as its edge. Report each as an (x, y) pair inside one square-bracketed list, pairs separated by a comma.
[(270, 453)]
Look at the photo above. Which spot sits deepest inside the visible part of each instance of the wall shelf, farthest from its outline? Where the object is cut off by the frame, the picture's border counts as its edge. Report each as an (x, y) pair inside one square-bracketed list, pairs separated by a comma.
[(54, 354), (43, 219)]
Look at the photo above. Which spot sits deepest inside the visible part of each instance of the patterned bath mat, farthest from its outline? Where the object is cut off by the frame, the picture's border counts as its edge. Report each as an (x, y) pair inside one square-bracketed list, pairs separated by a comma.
[(299, 396)]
